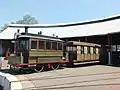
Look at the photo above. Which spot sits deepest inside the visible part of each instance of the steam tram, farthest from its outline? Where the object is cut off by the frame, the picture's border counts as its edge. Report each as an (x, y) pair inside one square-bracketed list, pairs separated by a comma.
[(39, 51)]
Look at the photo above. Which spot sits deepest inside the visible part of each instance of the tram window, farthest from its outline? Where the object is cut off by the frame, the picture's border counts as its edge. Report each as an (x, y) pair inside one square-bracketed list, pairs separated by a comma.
[(88, 50), (69, 49), (41, 44), (54, 45), (91, 50), (48, 45), (74, 49), (59, 46), (113, 47), (82, 49), (33, 44), (85, 50), (94, 50), (118, 47), (97, 50)]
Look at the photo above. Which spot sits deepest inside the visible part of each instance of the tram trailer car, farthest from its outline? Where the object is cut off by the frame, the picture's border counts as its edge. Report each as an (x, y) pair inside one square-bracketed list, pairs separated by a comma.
[(38, 51), (77, 52)]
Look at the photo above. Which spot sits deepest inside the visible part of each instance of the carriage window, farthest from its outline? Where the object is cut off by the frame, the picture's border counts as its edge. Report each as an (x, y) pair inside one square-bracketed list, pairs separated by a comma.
[(94, 50), (69, 48), (85, 50), (59, 46), (113, 47), (88, 50), (97, 50), (41, 44), (91, 50), (48, 45), (118, 47), (82, 49), (79, 49), (33, 44), (74, 49), (54, 45)]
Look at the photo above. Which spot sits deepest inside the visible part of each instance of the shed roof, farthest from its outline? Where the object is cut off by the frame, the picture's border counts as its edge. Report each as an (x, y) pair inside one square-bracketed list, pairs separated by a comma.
[(63, 30)]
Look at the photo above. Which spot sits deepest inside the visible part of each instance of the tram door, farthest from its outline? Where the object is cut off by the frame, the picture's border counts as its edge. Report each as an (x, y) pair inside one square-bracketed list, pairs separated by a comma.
[(23, 47), (72, 53), (103, 55)]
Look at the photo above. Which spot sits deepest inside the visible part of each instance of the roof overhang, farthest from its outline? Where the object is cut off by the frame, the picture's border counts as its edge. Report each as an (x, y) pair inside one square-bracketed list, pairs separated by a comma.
[(97, 27)]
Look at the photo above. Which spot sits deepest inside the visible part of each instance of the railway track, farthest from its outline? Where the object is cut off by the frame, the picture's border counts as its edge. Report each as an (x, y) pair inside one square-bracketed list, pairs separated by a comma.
[(76, 84)]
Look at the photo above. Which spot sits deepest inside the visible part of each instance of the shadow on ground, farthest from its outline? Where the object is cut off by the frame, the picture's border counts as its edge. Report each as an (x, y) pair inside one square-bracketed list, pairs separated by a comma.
[(84, 65), (29, 71)]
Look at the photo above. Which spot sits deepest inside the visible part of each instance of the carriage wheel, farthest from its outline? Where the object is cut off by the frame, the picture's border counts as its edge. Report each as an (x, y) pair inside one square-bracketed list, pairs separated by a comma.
[(12, 67), (39, 68), (55, 66)]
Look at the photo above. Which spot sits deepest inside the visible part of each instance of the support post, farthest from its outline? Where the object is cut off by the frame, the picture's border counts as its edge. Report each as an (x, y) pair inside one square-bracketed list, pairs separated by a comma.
[(109, 53), (1, 48), (15, 47)]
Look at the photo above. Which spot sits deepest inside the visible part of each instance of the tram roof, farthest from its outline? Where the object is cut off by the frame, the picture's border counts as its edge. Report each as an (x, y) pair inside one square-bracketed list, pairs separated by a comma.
[(38, 36), (82, 43), (63, 30)]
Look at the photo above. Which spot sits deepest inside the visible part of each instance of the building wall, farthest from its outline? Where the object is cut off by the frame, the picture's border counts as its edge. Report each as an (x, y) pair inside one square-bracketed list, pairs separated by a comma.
[(4, 45)]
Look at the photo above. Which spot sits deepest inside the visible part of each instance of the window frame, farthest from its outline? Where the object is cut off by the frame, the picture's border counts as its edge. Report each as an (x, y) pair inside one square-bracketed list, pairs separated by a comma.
[(40, 45), (94, 50), (46, 46), (114, 48), (58, 46), (88, 50), (31, 44), (85, 50), (52, 46), (91, 50), (82, 49), (118, 48)]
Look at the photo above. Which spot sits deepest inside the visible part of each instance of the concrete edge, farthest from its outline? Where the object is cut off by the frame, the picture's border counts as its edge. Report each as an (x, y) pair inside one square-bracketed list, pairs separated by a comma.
[(10, 82)]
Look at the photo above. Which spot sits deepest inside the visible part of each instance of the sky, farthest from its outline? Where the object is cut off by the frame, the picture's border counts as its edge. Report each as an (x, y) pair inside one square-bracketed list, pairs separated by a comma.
[(57, 11)]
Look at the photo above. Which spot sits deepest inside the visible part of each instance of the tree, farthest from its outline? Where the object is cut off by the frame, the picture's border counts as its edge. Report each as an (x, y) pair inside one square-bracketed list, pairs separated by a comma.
[(27, 19), (4, 27)]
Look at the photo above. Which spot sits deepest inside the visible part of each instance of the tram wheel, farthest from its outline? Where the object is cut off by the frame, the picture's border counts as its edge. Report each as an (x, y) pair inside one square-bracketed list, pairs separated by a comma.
[(12, 67), (39, 68), (55, 66)]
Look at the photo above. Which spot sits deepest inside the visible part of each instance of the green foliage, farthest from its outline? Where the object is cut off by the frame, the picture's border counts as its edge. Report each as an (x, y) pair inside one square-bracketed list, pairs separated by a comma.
[(27, 19), (4, 27)]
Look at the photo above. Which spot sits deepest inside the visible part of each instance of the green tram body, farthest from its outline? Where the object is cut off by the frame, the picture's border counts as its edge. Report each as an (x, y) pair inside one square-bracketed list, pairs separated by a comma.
[(40, 51)]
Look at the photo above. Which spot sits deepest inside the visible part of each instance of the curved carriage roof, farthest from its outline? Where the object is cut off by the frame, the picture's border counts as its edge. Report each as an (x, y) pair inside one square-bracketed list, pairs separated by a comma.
[(76, 43), (43, 37), (63, 30)]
